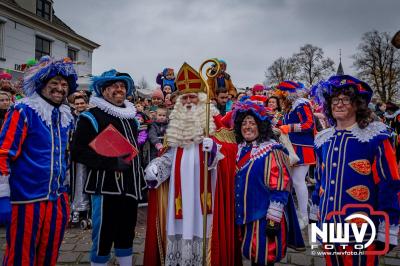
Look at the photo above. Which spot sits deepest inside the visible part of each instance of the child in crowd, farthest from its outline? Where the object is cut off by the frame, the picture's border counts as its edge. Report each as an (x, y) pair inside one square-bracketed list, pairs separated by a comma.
[(152, 113), (157, 131), (157, 98), (142, 135), (167, 102), (139, 106), (166, 90), (167, 77)]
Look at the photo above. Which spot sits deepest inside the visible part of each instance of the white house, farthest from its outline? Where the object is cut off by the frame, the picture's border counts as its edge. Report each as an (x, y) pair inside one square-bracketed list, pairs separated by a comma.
[(30, 29)]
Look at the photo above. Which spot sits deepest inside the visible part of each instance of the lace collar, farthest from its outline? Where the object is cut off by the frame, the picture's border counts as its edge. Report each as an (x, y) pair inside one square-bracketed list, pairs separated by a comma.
[(44, 109), (299, 101), (392, 115), (363, 135), (257, 150), (127, 112)]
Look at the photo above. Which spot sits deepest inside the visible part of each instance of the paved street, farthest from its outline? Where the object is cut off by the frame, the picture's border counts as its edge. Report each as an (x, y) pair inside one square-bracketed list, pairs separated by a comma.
[(76, 246)]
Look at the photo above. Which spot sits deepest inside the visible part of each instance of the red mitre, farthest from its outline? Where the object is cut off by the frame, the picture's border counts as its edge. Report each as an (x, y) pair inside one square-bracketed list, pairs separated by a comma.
[(188, 80)]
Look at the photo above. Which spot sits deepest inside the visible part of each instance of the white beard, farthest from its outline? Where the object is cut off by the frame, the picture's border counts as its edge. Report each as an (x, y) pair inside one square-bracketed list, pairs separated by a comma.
[(186, 126)]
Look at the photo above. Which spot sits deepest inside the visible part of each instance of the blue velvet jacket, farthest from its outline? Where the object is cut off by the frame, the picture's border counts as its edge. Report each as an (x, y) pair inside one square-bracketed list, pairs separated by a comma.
[(356, 166), (301, 121), (33, 150), (260, 181)]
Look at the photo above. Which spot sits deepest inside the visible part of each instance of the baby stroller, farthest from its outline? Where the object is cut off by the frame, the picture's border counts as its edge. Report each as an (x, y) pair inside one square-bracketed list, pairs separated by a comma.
[(80, 201)]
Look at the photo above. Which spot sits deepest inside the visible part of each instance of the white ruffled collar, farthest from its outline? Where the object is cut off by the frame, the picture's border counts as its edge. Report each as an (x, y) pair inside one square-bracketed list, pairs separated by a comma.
[(362, 135), (299, 101), (392, 115), (44, 109), (127, 112)]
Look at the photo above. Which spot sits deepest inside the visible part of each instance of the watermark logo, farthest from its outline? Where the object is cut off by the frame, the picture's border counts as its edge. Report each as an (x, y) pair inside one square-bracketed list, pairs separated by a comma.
[(356, 225)]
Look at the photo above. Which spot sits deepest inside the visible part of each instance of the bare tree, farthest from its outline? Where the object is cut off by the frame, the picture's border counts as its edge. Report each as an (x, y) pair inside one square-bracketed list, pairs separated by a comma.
[(312, 65), (280, 70), (378, 63), (143, 83)]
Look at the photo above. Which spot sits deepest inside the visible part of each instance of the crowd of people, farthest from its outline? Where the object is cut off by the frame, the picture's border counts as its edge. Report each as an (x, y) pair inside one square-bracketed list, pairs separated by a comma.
[(244, 164)]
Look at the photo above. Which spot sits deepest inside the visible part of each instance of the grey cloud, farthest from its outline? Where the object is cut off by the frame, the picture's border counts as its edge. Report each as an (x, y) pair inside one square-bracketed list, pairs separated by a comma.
[(143, 37)]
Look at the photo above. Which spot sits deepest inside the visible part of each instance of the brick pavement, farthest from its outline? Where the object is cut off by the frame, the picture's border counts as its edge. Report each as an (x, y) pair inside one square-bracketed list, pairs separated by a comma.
[(76, 245)]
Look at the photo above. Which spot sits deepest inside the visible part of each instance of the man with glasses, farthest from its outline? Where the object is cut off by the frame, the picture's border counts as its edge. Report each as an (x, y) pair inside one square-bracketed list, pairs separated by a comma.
[(115, 183), (356, 164)]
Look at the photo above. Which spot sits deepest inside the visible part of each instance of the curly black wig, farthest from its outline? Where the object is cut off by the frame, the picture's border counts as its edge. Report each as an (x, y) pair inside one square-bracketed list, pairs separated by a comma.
[(264, 128), (363, 113)]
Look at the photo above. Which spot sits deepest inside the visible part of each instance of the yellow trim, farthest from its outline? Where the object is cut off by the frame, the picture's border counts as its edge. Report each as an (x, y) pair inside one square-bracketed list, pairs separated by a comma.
[(245, 191), (278, 160), (244, 238), (29, 201), (266, 250), (60, 154), (251, 238), (267, 170), (279, 181), (340, 173), (51, 159)]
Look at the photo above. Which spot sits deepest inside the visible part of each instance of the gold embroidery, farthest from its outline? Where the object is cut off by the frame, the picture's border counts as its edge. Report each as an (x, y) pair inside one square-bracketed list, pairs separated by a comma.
[(360, 193), (363, 166), (225, 135), (209, 201), (178, 205)]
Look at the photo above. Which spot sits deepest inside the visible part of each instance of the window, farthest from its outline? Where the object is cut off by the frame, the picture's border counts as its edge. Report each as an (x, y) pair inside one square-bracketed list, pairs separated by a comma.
[(2, 26), (43, 9), (73, 54), (42, 47)]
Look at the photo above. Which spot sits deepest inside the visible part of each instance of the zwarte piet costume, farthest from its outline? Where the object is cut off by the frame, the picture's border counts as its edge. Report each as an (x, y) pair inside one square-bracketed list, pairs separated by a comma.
[(263, 197), (355, 166), (33, 163)]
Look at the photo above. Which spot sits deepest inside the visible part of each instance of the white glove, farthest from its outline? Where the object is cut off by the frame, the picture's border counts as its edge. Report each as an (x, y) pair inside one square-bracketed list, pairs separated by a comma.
[(151, 172), (151, 176), (207, 144)]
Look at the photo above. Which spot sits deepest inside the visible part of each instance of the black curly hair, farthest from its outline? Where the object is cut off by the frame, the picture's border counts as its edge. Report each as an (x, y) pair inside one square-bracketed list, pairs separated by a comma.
[(264, 128), (363, 113)]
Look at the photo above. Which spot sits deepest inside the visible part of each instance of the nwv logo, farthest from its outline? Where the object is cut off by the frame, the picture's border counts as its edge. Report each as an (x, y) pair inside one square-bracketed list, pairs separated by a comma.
[(338, 234)]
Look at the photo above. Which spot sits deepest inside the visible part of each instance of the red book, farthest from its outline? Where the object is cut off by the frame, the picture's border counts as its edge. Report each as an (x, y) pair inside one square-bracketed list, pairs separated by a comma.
[(111, 143)]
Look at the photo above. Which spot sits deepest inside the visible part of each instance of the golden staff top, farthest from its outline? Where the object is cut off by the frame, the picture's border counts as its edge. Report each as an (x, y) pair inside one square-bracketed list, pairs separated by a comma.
[(211, 72)]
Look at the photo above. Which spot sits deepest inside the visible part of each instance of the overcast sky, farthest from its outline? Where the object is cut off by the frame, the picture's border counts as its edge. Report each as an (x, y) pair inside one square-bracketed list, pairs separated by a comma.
[(142, 37)]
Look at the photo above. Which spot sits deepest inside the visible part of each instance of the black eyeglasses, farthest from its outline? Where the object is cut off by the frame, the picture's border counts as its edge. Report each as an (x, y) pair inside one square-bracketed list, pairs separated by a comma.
[(344, 101)]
